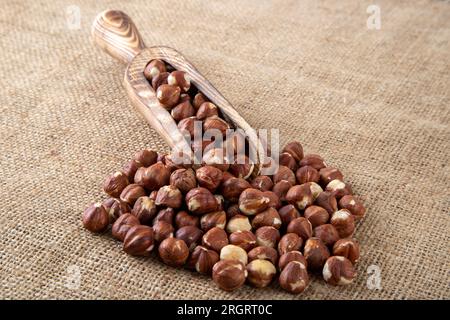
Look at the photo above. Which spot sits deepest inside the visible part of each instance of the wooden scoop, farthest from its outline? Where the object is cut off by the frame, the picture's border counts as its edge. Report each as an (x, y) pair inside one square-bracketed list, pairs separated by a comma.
[(116, 34)]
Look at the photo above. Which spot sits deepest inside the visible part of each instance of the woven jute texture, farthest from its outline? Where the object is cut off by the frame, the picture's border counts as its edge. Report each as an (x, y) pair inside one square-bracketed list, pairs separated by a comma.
[(375, 103)]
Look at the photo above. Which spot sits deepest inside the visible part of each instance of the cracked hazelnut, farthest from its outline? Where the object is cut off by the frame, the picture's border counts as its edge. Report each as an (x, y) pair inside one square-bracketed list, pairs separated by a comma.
[(263, 183), (242, 169), (284, 173), (216, 157), (169, 196), (238, 223), (182, 110), (146, 157), (159, 80), (173, 252), (115, 208), (316, 253), (190, 235), (144, 209), (130, 168), (215, 239), (281, 188), (131, 193), (199, 98), (267, 236), (339, 188), (216, 123), (203, 260), (316, 215), (295, 149), (200, 201), (301, 226), (122, 225), (180, 79), (206, 110), (268, 217), (263, 252), (115, 183), (183, 179), (154, 68), (289, 242), (166, 214), (213, 219), (300, 196), (291, 256), (183, 219), (315, 189), (294, 277), (338, 271), (260, 273), (244, 239), (232, 188), (156, 176), (253, 201), (168, 95), (229, 274), (274, 200), (162, 230), (352, 204), (209, 177), (327, 201), (328, 174), (348, 248), (307, 174), (232, 252), (138, 240), (95, 218), (327, 233), (344, 222), (313, 160), (287, 214)]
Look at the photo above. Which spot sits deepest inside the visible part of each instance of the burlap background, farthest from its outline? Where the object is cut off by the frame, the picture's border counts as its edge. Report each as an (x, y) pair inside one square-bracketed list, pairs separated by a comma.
[(375, 103)]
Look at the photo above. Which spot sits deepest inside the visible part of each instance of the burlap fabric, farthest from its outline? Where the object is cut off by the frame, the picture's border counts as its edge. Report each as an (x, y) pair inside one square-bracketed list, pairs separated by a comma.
[(375, 103)]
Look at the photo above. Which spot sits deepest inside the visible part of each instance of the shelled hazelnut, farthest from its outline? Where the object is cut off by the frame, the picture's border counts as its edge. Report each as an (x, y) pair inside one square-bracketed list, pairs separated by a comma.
[(289, 242), (300, 196), (139, 240), (327, 233), (287, 160), (263, 183), (183, 218), (344, 222), (162, 230), (244, 239), (187, 126), (166, 214), (159, 80), (260, 273), (216, 157), (295, 149), (215, 239), (229, 274), (115, 183), (348, 248), (327, 201), (200, 201), (352, 204), (154, 68), (130, 168), (209, 177), (316, 215), (300, 226), (291, 256), (169, 196), (316, 253), (287, 214), (268, 217), (233, 210), (122, 225), (339, 188), (179, 79), (213, 219), (232, 188), (156, 176), (316, 190), (115, 208), (267, 236), (274, 200), (307, 174), (232, 252), (191, 235), (146, 157), (144, 209), (253, 201), (206, 110), (95, 218), (313, 160), (281, 189), (183, 179), (168, 95), (294, 277), (329, 174), (173, 252), (131, 193), (284, 173), (199, 99), (242, 169), (203, 259), (238, 222), (216, 123), (182, 111), (338, 270)]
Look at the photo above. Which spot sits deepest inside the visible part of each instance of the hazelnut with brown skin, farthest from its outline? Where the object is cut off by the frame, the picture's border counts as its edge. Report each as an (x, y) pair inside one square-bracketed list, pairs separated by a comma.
[(352, 204), (199, 98), (287, 160), (144, 209), (291, 256), (327, 233), (281, 189), (316, 215), (154, 68), (242, 169), (348, 248), (232, 188), (213, 219), (209, 177), (215, 239), (162, 230), (274, 200), (327, 201), (156, 176), (139, 176), (95, 218), (263, 183), (207, 109), (295, 149), (244, 239), (166, 214), (313, 160), (329, 174), (169, 196), (307, 174), (338, 271), (339, 188), (287, 214), (122, 225), (284, 173), (232, 252), (301, 226), (183, 219), (173, 252), (159, 80), (238, 222), (300, 196), (187, 125), (200, 201), (130, 168), (253, 201), (180, 79), (216, 123), (168, 95), (229, 274), (115, 183), (139, 241), (183, 179), (203, 260), (190, 235), (316, 253), (216, 157), (263, 252), (294, 277), (260, 273), (153, 195), (289, 242), (182, 111), (268, 217), (146, 157), (115, 208), (315, 189), (267, 236), (131, 193), (344, 222), (233, 210)]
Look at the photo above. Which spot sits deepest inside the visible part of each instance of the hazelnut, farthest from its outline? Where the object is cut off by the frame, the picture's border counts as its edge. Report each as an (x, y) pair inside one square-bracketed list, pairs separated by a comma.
[(203, 260), (316, 253), (159, 80), (348, 248), (216, 157), (281, 188), (300, 196), (232, 188), (289, 242), (233, 210), (154, 68), (215, 239), (138, 240), (274, 200), (307, 174), (295, 149), (252, 201), (268, 217), (209, 177), (187, 126), (144, 209), (229, 274), (173, 252), (180, 79), (153, 195), (206, 110), (232, 252), (260, 273), (177, 160), (130, 168), (238, 223), (327, 201), (316, 215), (169, 196), (95, 218), (235, 142), (139, 176), (338, 271), (294, 277), (183, 179), (213, 219), (315, 189), (162, 230), (146, 157), (185, 97), (115, 208), (199, 98), (190, 235), (216, 123), (263, 252), (327, 233), (131, 193), (291, 256), (166, 214), (201, 146), (115, 183), (182, 110), (183, 219), (263, 183), (344, 222), (287, 160), (284, 173), (242, 169), (267, 236), (301, 226), (122, 225), (168, 95), (328, 174), (287, 214), (156, 176), (201, 200), (339, 188), (313, 160), (220, 201), (244, 239), (353, 205)]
